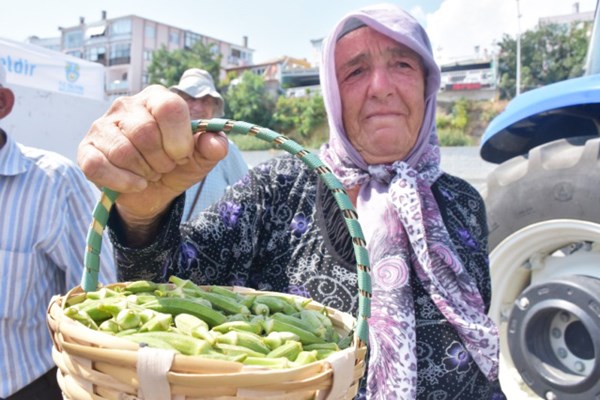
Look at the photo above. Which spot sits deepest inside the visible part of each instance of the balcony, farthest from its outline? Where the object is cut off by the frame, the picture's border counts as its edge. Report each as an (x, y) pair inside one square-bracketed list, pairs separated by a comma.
[(119, 60), (117, 86)]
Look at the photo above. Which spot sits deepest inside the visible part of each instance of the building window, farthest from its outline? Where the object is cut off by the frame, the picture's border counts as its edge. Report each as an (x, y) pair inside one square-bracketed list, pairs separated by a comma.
[(121, 27), (145, 79), (149, 32), (120, 54), (75, 53), (148, 55), (190, 39), (97, 54), (73, 39), (174, 37)]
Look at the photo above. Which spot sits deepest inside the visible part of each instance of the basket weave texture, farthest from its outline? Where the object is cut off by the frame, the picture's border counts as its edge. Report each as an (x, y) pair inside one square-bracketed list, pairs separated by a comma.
[(96, 365)]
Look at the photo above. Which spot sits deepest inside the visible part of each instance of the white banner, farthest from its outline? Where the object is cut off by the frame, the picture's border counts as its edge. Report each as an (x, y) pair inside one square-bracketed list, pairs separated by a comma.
[(40, 68)]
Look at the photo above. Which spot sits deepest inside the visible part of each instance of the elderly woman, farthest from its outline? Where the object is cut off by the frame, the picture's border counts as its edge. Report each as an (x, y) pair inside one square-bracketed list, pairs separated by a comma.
[(279, 229)]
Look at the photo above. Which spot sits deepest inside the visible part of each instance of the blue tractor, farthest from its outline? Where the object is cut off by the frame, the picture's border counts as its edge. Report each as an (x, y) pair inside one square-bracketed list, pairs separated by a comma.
[(543, 204)]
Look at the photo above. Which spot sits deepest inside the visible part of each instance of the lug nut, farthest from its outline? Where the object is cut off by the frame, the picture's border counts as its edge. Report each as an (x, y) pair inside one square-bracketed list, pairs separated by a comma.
[(562, 353), (550, 396), (556, 333), (579, 366), (523, 303)]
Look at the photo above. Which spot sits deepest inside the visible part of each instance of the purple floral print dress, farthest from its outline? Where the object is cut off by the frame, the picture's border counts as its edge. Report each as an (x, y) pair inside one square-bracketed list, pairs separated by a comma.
[(279, 229)]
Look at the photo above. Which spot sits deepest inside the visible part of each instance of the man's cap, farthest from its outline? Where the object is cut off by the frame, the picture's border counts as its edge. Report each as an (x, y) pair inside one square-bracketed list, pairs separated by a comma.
[(198, 83)]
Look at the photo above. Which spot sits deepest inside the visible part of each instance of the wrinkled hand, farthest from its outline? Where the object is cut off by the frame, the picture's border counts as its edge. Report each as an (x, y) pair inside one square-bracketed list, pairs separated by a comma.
[(143, 148)]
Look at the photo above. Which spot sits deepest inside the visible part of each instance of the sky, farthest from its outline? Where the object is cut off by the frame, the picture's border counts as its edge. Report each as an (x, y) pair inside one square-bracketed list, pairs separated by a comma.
[(285, 28)]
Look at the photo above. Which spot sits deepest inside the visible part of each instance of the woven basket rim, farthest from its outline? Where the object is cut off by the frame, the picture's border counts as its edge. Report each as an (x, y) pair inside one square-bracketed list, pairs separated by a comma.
[(74, 340)]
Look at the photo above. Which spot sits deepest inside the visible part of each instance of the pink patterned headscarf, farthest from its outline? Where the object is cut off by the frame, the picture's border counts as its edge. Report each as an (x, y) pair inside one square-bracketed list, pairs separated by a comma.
[(403, 226)]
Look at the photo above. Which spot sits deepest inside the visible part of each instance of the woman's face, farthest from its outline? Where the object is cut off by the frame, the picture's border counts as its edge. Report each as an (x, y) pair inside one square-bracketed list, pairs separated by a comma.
[(382, 90)]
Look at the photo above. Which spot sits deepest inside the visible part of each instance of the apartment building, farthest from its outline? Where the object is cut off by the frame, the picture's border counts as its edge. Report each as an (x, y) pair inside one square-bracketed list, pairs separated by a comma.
[(124, 45)]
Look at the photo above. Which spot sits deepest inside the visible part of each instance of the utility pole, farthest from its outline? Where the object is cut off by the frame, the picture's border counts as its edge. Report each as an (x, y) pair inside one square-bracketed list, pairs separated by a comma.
[(518, 91)]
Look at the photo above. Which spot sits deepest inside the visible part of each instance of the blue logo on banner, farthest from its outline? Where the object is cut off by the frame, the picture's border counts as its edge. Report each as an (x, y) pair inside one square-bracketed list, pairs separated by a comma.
[(72, 71)]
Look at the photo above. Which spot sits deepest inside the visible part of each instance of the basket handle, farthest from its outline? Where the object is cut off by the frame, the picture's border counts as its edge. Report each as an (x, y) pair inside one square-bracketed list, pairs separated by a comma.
[(108, 197)]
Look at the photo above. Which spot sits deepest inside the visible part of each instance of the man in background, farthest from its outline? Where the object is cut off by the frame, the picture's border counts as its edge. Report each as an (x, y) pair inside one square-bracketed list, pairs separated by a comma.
[(46, 209), (197, 88)]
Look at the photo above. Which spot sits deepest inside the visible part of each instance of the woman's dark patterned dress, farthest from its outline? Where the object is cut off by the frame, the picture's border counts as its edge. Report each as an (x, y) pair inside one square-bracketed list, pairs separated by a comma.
[(279, 229)]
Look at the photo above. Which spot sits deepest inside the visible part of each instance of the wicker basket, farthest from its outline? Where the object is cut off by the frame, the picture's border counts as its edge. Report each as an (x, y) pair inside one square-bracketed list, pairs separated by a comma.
[(96, 365)]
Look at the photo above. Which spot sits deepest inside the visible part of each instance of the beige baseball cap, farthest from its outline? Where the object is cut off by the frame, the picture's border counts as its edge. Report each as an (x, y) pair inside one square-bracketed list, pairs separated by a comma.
[(198, 83)]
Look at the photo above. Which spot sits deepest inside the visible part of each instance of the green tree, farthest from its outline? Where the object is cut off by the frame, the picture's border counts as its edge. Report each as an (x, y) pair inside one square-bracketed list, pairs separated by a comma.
[(299, 117), (247, 99), (549, 54), (167, 66)]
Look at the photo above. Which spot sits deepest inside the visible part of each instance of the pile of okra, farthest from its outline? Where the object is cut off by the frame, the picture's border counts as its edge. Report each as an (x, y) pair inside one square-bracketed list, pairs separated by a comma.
[(269, 330)]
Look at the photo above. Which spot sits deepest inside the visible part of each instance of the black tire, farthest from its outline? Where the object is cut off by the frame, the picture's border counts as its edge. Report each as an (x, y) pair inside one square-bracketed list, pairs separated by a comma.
[(559, 179)]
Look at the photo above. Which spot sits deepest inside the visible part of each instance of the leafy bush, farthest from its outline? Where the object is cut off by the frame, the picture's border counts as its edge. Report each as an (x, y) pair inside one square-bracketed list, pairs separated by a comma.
[(453, 137)]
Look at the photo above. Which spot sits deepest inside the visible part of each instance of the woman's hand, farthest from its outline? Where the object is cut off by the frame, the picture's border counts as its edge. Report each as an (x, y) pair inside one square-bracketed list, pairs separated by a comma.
[(143, 148)]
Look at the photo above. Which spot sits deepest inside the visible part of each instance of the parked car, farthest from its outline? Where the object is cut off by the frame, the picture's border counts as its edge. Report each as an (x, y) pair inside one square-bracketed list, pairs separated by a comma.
[(543, 203)]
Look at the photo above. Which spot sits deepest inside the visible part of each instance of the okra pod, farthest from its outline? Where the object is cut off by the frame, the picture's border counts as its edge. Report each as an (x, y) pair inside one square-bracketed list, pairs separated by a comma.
[(141, 286), (175, 306), (306, 357), (306, 337), (239, 326), (183, 343), (232, 349), (245, 339), (289, 350)]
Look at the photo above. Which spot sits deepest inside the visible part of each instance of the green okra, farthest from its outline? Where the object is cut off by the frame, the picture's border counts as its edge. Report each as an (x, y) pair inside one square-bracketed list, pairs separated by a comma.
[(238, 317), (323, 353), (159, 322), (76, 299), (239, 326), (317, 324), (232, 349), (275, 339), (109, 326), (95, 312), (306, 337), (289, 350), (175, 306), (276, 304), (188, 322), (322, 346), (141, 286), (156, 343), (185, 344), (306, 357), (103, 293), (346, 341), (128, 319), (300, 323), (81, 317), (260, 309), (127, 332), (225, 357), (112, 308), (224, 303), (275, 363), (245, 339), (224, 292)]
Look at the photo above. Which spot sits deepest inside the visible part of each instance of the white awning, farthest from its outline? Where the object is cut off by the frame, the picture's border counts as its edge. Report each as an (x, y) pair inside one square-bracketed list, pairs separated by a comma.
[(92, 31)]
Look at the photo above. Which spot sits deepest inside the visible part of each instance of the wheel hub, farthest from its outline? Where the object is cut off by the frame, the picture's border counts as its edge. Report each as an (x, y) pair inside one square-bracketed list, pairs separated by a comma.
[(552, 337)]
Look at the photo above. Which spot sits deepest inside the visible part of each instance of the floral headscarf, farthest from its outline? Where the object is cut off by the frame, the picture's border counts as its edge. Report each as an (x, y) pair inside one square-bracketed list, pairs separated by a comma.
[(403, 226)]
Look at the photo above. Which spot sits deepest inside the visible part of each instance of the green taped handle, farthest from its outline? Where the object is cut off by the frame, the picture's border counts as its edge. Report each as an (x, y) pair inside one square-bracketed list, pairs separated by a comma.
[(100, 216)]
